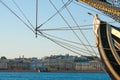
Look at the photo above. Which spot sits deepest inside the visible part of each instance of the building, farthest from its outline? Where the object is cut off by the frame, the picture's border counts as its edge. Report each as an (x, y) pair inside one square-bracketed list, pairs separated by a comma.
[(60, 63), (36, 64), (18, 64), (90, 66), (3, 64), (54, 63)]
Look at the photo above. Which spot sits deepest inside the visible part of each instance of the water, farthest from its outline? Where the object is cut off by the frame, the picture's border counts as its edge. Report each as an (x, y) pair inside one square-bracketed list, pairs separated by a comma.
[(52, 76)]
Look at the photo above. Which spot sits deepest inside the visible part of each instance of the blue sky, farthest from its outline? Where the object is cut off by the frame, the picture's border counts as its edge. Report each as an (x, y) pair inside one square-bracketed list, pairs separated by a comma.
[(17, 40)]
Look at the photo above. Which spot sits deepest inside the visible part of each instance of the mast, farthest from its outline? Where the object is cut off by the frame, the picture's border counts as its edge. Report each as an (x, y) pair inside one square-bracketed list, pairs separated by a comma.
[(36, 29)]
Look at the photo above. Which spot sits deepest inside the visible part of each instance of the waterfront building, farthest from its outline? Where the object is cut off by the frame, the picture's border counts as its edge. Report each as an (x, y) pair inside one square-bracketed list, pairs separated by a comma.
[(90, 66), (18, 64), (60, 63), (53, 63), (36, 64), (3, 64)]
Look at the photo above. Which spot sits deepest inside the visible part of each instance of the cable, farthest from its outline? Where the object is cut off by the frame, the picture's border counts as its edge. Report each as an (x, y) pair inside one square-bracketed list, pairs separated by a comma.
[(23, 14), (68, 43), (78, 26), (68, 40), (67, 3), (83, 27), (73, 27), (67, 23), (17, 16), (59, 44), (54, 29)]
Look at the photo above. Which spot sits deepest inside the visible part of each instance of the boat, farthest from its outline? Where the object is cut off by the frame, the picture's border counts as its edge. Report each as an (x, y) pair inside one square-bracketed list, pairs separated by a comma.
[(39, 70), (109, 48), (107, 36)]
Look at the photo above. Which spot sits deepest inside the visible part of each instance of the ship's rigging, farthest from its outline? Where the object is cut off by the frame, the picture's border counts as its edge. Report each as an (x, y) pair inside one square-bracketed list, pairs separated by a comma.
[(105, 6), (62, 41)]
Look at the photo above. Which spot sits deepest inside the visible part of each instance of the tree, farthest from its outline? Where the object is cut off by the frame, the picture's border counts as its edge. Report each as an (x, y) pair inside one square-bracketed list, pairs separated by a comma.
[(3, 57)]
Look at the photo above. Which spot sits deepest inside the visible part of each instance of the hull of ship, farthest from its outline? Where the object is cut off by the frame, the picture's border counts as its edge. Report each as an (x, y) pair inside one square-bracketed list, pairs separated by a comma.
[(109, 49)]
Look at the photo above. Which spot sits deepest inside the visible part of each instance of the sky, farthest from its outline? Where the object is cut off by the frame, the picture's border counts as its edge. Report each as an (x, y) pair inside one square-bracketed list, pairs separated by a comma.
[(17, 40)]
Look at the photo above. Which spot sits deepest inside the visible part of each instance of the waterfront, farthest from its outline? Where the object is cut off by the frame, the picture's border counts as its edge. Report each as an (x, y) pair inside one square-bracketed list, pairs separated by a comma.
[(52, 76), (53, 63)]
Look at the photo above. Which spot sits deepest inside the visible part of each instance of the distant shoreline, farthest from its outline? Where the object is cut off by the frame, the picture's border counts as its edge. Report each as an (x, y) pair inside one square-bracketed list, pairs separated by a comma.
[(50, 71)]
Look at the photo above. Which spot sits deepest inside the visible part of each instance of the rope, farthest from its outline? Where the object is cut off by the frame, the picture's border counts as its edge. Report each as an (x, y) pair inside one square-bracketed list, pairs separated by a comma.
[(67, 24), (67, 3), (17, 16), (54, 29), (23, 14), (58, 43), (64, 42), (73, 27), (79, 27), (69, 40)]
